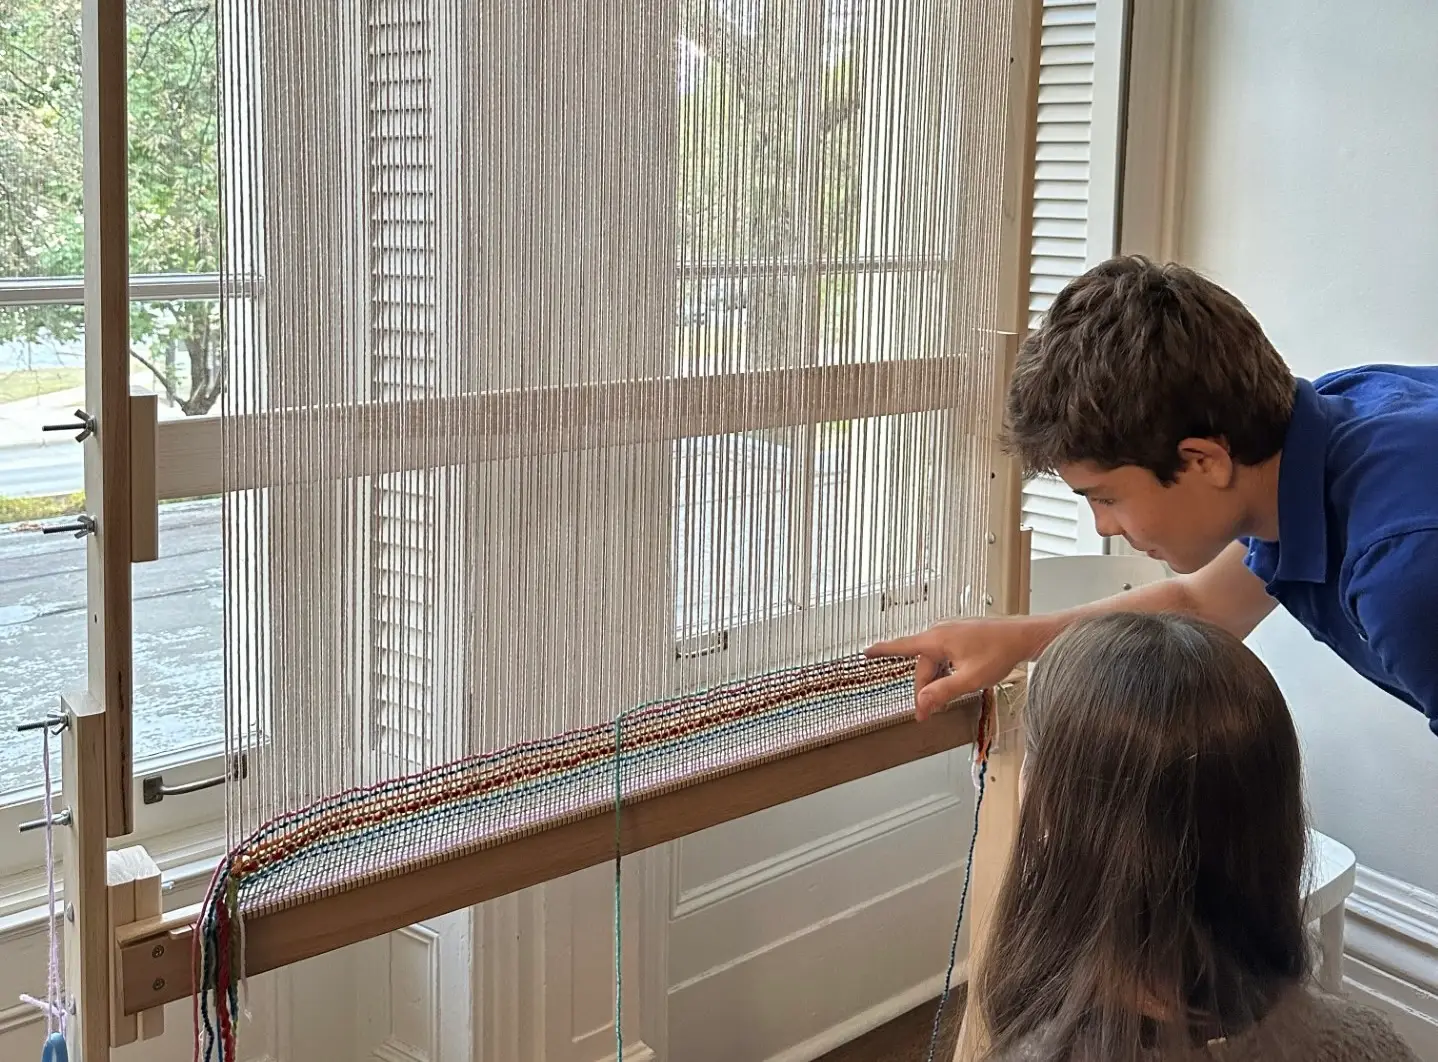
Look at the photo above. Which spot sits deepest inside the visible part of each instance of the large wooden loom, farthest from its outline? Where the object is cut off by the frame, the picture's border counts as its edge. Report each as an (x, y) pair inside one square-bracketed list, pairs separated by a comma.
[(124, 958)]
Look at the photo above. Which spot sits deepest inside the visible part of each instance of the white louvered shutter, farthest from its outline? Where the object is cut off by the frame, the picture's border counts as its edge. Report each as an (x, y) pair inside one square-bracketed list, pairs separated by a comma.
[(402, 365), (1060, 249)]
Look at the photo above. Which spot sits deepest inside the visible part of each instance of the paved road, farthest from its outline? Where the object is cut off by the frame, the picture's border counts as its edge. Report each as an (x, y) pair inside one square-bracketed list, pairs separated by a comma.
[(33, 471), (178, 612)]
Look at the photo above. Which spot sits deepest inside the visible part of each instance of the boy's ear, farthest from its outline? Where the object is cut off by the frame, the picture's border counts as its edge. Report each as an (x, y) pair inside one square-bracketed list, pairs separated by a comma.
[(1209, 459)]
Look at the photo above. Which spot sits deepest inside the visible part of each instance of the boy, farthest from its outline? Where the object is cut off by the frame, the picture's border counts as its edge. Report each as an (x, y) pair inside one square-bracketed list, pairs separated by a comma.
[(1156, 396)]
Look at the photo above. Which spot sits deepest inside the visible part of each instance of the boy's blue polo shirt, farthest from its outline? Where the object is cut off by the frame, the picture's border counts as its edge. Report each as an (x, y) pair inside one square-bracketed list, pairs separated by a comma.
[(1357, 557)]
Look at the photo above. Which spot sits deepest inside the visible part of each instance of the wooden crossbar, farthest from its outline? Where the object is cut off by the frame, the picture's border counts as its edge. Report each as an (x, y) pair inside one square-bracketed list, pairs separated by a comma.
[(155, 956), (369, 438)]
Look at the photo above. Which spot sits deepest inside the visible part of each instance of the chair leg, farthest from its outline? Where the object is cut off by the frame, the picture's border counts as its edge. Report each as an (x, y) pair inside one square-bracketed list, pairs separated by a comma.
[(1330, 933)]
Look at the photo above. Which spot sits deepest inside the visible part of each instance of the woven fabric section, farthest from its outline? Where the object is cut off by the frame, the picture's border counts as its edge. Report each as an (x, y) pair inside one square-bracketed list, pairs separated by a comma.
[(366, 835)]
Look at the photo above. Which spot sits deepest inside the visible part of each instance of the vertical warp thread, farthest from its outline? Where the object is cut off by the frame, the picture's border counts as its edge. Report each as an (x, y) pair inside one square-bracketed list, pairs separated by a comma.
[(981, 764), (53, 1004)]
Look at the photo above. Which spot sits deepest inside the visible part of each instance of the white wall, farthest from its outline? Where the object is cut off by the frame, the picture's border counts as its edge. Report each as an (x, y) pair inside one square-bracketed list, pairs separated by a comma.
[(1312, 193), (1307, 184)]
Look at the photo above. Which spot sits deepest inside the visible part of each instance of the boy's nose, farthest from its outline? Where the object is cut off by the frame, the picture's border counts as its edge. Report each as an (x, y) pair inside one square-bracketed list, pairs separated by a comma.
[(1106, 525)]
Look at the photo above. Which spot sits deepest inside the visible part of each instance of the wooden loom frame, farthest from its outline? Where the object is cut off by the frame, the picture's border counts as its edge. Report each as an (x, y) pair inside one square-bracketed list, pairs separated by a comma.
[(125, 959)]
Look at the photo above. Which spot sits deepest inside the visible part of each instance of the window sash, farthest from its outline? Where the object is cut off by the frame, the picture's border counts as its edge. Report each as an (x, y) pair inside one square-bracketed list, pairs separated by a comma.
[(144, 287)]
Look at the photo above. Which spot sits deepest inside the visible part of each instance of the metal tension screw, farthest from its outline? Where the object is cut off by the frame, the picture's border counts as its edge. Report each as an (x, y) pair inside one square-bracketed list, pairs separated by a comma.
[(157, 951), (55, 722), (83, 423), (159, 984), (83, 525)]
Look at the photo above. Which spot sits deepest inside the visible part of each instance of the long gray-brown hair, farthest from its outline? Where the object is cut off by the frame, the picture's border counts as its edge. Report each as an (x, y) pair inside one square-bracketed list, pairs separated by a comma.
[(1153, 896)]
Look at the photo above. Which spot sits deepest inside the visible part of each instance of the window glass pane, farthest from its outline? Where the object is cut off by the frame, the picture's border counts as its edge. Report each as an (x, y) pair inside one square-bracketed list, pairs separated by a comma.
[(42, 381), (174, 170), (178, 634), (42, 578)]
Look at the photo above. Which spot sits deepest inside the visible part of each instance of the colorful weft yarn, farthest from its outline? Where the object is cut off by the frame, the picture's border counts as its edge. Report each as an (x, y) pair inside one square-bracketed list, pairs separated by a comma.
[(373, 833)]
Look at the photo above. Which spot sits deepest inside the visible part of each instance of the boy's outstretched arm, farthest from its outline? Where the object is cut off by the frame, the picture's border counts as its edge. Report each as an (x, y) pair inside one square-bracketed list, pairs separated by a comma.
[(960, 656)]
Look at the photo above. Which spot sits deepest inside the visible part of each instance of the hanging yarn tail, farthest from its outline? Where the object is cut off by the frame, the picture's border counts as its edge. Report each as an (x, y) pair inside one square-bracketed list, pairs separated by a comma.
[(53, 1005), (980, 767), (218, 955)]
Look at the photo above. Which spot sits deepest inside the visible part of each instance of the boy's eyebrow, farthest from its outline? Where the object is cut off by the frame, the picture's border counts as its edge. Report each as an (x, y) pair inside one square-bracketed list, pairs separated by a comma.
[(1082, 492)]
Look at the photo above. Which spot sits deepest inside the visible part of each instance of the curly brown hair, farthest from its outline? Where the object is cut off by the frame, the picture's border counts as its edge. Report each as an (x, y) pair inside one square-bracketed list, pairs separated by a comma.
[(1133, 358)]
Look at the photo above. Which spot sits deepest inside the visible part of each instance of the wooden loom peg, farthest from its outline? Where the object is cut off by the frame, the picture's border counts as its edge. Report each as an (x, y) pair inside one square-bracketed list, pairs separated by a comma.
[(144, 494)]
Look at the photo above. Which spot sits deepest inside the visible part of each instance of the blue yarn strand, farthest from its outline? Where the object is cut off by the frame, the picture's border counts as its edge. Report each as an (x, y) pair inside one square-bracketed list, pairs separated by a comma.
[(958, 922), (618, 885)]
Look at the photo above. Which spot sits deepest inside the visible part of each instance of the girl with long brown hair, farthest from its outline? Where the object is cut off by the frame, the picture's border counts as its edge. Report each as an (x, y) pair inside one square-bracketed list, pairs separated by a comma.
[(1152, 908)]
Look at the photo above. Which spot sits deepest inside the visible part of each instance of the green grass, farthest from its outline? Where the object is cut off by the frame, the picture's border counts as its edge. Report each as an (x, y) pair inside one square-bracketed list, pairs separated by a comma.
[(20, 384), (25, 510)]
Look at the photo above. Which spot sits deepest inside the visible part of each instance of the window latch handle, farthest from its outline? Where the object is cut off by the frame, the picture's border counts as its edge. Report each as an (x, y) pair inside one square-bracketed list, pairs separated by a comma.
[(153, 789)]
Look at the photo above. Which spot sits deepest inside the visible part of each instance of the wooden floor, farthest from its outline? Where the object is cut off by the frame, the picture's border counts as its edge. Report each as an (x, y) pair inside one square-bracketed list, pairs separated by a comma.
[(906, 1038)]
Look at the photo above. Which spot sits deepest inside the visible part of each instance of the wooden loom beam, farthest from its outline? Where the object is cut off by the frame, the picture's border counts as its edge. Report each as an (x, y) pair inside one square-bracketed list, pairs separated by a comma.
[(396, 435), (155, 956)]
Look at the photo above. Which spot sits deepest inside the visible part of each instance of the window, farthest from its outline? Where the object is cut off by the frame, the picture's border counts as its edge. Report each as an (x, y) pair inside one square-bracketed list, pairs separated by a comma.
[(803, 271), (1075, 194), (174, 255)]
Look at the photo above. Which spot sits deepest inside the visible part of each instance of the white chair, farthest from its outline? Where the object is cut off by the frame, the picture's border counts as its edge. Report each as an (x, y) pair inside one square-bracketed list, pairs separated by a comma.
[(1063, 582)]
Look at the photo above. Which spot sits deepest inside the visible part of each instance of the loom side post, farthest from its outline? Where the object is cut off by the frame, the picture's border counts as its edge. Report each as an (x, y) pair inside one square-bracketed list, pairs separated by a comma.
[(107, 393), (82, 855)]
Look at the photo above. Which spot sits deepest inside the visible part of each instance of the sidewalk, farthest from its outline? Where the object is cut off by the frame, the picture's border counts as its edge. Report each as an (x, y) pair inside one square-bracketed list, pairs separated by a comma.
[(21, 422), (35, 463)]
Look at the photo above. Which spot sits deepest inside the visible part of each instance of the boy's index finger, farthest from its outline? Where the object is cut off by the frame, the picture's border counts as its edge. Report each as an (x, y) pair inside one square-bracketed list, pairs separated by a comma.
[(911, 646)]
